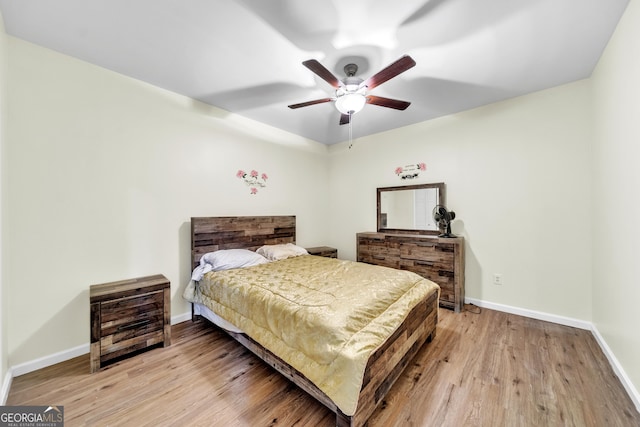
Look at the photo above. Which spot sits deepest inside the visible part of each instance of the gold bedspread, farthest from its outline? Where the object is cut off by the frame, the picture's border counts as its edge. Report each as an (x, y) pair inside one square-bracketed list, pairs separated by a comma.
[(323, 316)]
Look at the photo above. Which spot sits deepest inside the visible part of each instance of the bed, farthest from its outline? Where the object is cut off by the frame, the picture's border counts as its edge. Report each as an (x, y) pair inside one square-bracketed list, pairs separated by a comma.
[(349, 372)]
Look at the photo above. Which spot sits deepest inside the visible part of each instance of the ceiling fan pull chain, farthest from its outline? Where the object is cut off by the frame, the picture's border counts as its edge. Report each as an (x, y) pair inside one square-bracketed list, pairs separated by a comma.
[(350, 131)]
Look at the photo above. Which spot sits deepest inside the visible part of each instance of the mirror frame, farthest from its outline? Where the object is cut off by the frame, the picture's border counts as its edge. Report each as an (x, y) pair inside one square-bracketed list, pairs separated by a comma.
[(442, 200)]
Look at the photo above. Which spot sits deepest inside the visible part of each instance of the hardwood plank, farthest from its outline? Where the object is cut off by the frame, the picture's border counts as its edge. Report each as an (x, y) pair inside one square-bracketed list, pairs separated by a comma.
[(487, 369)]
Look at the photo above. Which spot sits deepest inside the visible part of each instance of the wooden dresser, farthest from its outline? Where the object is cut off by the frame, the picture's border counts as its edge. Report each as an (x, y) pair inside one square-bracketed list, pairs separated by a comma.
[(129, 316), (440, 260)]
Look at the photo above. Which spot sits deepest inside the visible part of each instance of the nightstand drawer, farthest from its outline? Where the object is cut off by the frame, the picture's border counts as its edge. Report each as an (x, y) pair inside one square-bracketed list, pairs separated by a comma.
[(132, 313), (125, 342)]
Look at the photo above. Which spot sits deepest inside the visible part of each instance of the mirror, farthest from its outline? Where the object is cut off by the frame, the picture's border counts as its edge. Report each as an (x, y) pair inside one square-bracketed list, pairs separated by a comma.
[(408, 208)]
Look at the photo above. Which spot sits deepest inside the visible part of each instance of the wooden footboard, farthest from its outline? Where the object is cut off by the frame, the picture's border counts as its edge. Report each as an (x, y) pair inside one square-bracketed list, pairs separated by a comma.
[(388, 362), (383, 368)]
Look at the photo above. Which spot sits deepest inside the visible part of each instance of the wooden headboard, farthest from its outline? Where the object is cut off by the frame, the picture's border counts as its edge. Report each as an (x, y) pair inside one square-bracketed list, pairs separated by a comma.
[(210, 234)]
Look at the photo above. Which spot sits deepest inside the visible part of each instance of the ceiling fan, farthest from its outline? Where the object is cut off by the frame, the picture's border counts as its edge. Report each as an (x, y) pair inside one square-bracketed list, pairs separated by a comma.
[(351, 92)]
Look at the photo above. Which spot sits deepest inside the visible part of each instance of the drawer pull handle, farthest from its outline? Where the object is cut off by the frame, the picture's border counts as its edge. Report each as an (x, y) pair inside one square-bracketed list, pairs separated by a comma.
[(425, 263), (380, 257), (134, 325), (426, 245)]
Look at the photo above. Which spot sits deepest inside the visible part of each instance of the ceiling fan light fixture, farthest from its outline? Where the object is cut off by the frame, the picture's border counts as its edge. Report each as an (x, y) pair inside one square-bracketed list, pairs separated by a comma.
[(350, 103)]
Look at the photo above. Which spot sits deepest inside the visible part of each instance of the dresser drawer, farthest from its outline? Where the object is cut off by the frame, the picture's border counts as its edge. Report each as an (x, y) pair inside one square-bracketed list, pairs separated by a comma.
[(441, 253), (433, 261), (438, 273), (373, 251)]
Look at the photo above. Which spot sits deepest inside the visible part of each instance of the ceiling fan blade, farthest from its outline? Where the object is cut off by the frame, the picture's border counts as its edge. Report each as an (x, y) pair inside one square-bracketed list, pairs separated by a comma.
[(314, 102), (322, 72), (387, 102), (344, 119), (400, 66)]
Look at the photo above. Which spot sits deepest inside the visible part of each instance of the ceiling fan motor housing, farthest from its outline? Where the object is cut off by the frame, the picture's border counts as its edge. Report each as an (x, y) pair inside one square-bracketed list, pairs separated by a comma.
[(350, 70)]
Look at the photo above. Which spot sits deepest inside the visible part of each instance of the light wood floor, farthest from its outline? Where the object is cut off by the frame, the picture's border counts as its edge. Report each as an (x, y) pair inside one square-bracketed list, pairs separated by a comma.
[(487, 369)]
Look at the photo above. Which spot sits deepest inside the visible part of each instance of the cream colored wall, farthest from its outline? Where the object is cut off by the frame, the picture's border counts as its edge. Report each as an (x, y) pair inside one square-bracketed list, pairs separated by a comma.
[(517, 175), (616, 204), (105, 173), (3, 122)]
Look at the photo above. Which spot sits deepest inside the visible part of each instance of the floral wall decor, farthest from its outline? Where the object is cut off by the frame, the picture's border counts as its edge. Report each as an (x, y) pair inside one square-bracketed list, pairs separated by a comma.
[(411, 171), (253, 179)]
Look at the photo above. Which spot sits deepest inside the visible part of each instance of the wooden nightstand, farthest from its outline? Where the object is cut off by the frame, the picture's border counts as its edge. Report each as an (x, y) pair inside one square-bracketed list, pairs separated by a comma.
[(129, 316), (325, 251)]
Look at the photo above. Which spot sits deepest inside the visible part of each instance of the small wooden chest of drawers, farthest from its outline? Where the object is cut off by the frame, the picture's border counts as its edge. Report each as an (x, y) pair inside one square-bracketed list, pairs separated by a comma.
[(324, 251), (440, 260), (129, 316)]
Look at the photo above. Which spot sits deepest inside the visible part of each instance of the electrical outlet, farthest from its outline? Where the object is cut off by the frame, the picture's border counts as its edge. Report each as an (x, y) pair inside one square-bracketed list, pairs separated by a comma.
[(497, 279)]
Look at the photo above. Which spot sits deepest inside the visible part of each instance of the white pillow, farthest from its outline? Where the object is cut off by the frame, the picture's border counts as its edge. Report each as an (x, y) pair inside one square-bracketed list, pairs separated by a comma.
[(278, 252), (226, 259)]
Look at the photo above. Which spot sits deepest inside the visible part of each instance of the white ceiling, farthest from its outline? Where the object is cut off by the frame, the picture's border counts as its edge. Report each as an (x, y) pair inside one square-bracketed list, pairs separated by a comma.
[(245, 55)]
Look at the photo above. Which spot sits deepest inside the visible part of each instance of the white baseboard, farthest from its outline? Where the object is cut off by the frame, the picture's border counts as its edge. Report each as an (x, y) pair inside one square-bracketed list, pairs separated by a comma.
[(43, 362), (561, 320), (567, 321), (6, 386), (617, 368), (181, 318)]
